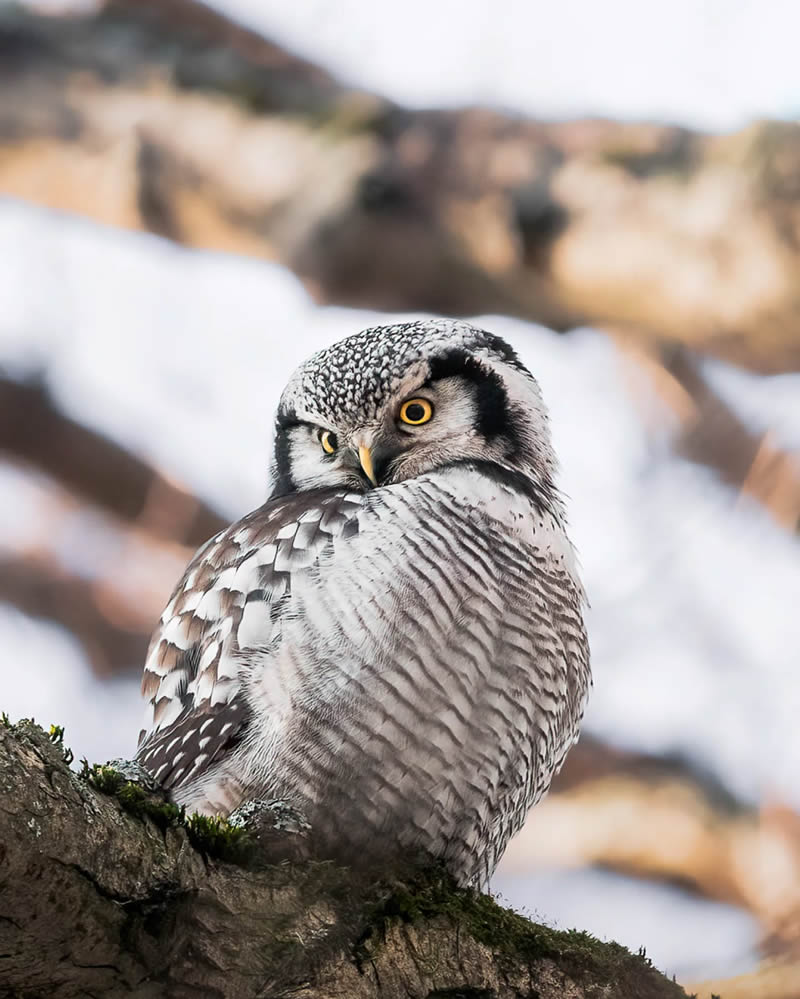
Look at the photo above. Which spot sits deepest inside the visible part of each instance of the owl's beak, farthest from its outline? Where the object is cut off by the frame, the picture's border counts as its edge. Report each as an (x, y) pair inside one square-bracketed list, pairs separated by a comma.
[(365, 457)]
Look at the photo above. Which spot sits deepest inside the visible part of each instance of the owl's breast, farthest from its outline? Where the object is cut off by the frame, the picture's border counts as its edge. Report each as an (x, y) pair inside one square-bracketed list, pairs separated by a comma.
[(430, 687)]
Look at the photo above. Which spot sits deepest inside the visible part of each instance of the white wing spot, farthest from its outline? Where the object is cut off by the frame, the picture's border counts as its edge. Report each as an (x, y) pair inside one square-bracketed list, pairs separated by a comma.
[(191, 598), (255, 626), (210, 607), (266, 555), (311, 516), (208, 656), (174, 632)]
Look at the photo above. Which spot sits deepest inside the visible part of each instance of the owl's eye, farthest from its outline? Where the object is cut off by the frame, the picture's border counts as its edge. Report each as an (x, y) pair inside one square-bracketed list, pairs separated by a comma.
[(416, 411), (328, 441)]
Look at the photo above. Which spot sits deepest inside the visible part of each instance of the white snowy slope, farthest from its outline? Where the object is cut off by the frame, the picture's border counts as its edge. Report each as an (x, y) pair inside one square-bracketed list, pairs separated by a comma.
[(714, 65), (181, 356)]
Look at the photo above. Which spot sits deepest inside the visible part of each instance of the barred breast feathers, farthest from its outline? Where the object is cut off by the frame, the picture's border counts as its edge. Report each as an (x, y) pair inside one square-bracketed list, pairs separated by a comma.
[(313, 586)]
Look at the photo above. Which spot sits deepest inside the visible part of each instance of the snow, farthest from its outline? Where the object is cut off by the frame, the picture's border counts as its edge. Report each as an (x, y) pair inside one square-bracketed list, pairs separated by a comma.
[(181, 355), (45, 677), (714, 65)]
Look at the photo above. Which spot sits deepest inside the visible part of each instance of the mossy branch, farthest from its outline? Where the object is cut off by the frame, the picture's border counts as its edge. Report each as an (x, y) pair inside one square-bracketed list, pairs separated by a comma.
[(108, 889)]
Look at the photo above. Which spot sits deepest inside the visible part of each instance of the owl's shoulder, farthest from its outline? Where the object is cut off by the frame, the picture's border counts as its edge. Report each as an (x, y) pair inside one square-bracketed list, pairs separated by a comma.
[(269, 535)]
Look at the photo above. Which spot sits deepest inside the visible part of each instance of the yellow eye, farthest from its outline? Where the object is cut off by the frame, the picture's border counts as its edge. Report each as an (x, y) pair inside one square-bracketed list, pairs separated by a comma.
[(328, 441), (416, 411)]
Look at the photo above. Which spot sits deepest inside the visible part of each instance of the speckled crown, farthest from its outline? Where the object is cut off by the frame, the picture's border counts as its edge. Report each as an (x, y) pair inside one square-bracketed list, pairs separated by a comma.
[(357, 374)]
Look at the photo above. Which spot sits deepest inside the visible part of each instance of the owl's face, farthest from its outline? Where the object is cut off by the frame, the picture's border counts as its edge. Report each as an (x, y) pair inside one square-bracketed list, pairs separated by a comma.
[(395, 402)]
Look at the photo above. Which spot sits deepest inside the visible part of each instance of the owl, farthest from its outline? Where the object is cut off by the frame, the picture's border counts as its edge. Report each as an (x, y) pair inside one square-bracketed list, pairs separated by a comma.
[(394, 642)]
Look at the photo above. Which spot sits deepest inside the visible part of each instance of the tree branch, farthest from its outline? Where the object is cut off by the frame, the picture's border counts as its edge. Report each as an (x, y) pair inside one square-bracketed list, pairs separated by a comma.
[(113, 643), (96, 469), (99, 901), (712, 433)]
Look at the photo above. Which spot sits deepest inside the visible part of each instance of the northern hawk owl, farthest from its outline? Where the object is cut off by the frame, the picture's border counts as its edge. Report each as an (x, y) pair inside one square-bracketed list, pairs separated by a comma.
[(394, 642)]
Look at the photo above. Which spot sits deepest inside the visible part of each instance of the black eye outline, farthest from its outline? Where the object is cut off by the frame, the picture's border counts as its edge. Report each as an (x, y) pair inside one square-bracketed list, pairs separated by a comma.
[(327, 439), (424, 405)]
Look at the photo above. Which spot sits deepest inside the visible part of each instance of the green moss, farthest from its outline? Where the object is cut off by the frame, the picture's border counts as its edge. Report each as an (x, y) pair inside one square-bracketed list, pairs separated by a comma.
[(134, 799), (434, 893), (508, 934), (216, 837)]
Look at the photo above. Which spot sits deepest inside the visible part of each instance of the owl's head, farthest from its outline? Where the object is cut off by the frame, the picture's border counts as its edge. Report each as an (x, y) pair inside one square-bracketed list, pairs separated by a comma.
[(394, 402)]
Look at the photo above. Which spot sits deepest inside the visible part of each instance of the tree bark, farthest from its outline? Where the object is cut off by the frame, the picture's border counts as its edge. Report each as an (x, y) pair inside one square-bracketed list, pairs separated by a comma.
[(161, 115), (119, 895)]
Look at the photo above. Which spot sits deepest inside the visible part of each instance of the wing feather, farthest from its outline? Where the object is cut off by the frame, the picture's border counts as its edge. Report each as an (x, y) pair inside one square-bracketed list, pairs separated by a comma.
[(196, 712)]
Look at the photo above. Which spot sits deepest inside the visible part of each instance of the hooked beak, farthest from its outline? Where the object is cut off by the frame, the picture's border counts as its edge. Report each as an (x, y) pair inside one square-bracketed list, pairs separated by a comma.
[(365, 457)]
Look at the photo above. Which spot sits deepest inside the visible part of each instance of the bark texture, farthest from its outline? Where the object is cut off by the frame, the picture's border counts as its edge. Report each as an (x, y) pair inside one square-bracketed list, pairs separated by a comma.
[(116, 894)]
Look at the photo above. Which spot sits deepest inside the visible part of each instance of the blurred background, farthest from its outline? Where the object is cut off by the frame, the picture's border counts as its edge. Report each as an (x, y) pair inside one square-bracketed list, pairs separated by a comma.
[(194, 198)]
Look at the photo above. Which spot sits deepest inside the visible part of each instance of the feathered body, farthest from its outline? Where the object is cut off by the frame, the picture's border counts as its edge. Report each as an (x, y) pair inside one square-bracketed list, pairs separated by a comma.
[(405, 662)]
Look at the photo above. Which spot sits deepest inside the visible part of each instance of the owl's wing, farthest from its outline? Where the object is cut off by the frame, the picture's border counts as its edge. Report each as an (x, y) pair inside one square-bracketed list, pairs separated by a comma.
[(196, 709)]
